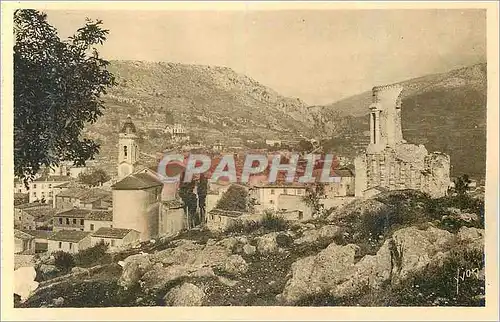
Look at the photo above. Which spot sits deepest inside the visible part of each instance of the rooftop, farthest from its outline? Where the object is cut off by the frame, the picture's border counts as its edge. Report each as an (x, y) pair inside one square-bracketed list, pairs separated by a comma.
[(68, 235), (128, 126), (41, 214), (117, 233), (74, 213), (32, 205), (38, 233), (100, 216), (72, 192), (137, 181), (53, 179), (173, 203), (227, 213), (22, 235)]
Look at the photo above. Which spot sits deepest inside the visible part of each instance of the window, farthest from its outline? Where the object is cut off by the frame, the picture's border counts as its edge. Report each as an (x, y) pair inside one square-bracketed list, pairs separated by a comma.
[(60, 245), (74, 221), (271, 201), (19, 217), (125, 151), (60, 221), (285, 191), (92, 227), (70, 245), (81, 221), (301, 215), (102, 240), (112, 242), (110, 226), (34, 193), (272, 191), (43, 186), (50, 185), (34, 186), (67, 221)]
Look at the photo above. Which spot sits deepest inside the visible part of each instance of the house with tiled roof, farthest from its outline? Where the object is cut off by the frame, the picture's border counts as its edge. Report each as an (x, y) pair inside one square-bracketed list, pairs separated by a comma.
[(80, 197), (70, 241), (42, 188), (115, 237), (97, 219), (219, 219), (33, 216), (41, 239), (23, 243), (72, 219)]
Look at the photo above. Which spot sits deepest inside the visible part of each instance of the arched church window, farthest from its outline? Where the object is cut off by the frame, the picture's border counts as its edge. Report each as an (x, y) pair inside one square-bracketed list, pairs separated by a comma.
[(125, 150)]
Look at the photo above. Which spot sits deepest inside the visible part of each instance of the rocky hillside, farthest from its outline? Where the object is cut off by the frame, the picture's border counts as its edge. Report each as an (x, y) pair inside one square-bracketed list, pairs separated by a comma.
[(446, 112), (213, 103), (398, 249)]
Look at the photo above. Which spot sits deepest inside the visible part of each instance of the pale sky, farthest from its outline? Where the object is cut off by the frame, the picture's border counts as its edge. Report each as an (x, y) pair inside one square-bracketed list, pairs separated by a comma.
[(319, 56)]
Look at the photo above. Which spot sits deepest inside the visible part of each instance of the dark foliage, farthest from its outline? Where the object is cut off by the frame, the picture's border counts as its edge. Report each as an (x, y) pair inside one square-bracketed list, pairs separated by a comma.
[(57, 89), (64, 261)]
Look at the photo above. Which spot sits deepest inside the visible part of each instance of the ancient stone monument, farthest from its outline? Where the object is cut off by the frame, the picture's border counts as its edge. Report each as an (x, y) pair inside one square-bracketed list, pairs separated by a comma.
[(389, 162)]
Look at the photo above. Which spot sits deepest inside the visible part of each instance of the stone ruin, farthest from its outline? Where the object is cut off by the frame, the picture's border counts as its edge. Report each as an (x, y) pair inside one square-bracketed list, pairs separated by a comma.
[(389, 162)]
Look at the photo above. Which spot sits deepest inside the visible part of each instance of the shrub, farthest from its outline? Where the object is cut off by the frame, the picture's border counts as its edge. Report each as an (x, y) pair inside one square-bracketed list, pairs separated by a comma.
[(272, 222), (64, 261), (92, 256), (243, 227)]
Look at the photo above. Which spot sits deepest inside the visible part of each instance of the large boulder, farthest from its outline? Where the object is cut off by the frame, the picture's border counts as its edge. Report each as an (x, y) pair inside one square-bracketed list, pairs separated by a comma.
[(183, 253), (473, 238), (133, 268), (235, 264), (266, 244), (319, 273), (186, 294), (212, 255), (313, 235), (414, 249), (372, 271), (159, 277)]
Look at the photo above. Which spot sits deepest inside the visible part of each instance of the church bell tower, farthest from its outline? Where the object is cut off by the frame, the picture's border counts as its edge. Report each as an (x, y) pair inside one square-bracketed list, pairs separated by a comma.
[(128, 150)]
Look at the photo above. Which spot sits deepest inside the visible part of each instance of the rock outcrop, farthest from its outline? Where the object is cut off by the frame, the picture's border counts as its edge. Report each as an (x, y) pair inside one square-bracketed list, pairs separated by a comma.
[(186, 294), (334, 270)]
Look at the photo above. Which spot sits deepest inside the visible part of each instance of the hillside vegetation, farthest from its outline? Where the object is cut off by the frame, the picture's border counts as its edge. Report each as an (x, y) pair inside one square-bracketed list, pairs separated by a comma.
[(399, 249)]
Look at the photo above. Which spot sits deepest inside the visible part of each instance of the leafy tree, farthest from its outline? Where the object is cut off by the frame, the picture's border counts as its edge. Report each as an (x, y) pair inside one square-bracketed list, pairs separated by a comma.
[(235, 199), (57, 89), (201, 190), (190, 203), (314, 193), (94, 177), (64, 261)]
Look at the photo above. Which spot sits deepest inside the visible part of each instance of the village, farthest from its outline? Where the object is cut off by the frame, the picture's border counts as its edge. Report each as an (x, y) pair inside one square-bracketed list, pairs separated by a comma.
[(62, 214)]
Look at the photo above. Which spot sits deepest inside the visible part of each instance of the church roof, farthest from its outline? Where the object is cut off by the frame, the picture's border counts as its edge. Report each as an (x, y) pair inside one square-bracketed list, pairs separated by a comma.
[(137, 181), (128, 126)]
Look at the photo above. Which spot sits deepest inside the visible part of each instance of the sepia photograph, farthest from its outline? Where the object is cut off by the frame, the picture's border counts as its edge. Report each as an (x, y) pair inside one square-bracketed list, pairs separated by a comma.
[(203, 156)]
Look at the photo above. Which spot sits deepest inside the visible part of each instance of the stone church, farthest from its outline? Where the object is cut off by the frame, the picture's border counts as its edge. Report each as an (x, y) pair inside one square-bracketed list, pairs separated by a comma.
[(141, 200), (389, 162)]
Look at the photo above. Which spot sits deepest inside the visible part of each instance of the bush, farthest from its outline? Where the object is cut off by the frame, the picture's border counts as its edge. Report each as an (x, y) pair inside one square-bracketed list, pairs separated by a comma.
[(64, 261), (272, 222), (243, 227), (92, 256)]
